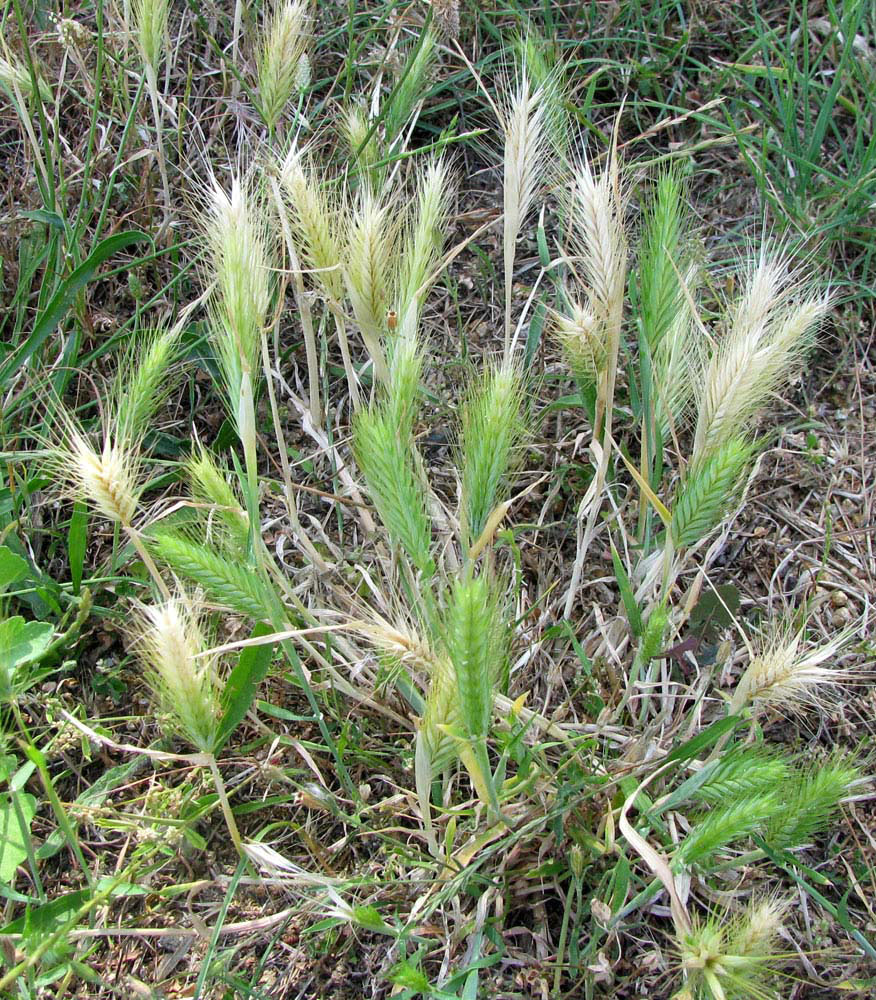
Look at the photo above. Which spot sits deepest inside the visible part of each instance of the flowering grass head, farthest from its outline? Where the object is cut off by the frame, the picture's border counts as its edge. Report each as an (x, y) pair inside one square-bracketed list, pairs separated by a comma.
[(170, 641)]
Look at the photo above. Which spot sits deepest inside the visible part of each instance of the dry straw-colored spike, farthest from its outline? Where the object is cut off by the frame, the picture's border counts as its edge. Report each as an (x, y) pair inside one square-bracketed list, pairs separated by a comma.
[(581, 339), (759, 926), (239, 262), (423, 240), (786, 674), (771, 328), (400, 641), (677, 361), (367, 273), (596, 208), (527, 116), (108, 475), (170, 641), (150, 26), (107, 478), (315, 222), (441, 717)]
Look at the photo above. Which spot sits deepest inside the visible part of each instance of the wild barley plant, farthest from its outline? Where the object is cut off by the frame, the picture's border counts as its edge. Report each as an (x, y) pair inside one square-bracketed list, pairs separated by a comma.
[(208, 554), (381, 264), (283, 62), (375, 137), (108, 474), (466, 631), (528, 117), (368, 264), (183, 675), (455, 632), (150, 29), (731, 957), (422, 242), (453, 651), (240, 265), (399, 108), (362, 143), (491, 432), (760, 791), (670, 342), (785, 674), (752, 791), (317, 221), (771, 327), (590, 329)]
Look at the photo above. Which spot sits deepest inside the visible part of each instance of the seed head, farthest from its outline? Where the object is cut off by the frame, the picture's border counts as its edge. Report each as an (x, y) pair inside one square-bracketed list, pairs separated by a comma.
[(578, 333), (239, 264), (596, 208), (771, 328), (283, 64), (150, 25), (15, 76), (107, 479), (169, 640), (730, 958), (787, 675), (314, 222), (446, 17), (367, 270)]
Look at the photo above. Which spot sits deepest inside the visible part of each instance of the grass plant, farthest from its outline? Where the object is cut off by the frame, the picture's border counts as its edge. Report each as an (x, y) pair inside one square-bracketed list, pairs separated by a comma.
[(456, 556), (151, 32)]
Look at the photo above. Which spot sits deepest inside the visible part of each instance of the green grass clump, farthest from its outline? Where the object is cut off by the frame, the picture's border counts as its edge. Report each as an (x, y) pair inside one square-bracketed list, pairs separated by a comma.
[(381, 388)]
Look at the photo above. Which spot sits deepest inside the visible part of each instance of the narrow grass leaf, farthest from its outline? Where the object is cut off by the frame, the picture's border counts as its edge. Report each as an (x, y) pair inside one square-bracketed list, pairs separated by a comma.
[(64, 297), (240, 688)]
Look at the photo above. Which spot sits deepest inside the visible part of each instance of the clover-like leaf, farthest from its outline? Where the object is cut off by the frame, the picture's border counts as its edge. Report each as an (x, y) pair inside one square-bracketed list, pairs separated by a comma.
[(20, 643)]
